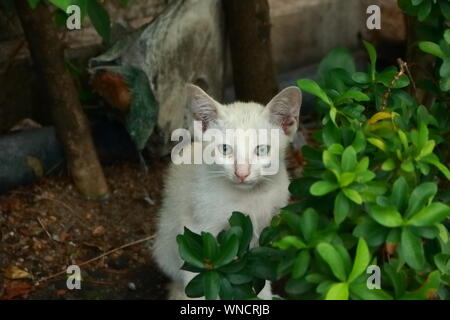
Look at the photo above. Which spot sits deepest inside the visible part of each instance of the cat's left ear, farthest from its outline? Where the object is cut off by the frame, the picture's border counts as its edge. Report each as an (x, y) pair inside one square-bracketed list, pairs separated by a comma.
[(202, 106), (284, 109)]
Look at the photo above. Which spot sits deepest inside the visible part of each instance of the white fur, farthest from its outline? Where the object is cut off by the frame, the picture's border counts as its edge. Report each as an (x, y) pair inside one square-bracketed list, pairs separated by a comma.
[(202, 197)]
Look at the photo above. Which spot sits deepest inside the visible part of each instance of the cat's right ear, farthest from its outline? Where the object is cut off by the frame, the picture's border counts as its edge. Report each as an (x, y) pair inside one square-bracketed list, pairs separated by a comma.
[(202, 106)]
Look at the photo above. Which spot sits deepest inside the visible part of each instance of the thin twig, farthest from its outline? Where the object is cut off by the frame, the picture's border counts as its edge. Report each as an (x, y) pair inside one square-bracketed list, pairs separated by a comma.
[(96, 258), (45, 229), (403, 69)]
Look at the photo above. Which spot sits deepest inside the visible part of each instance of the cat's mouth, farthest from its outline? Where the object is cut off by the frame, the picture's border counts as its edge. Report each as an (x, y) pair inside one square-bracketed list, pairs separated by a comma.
[(246, 184)]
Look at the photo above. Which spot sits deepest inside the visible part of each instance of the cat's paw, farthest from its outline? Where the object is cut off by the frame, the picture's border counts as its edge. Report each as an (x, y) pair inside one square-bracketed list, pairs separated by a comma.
[(176, 291), (266, 292)]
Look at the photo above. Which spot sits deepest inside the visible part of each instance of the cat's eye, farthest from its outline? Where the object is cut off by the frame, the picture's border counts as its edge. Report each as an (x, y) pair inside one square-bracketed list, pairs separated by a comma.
[(262, 150), (226, 149)]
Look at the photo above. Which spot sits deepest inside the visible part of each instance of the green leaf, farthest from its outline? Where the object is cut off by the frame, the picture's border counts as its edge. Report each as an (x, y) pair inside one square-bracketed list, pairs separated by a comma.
[(420, 197), (301, 264), (348, 160), (396, 277), (211, 282), (443, 233), (431, 48), (228, 252), (407, 166), (333, 258), (310, 223), (242, 221), (373, 58), (338, 291), (442, 261), (389, 78), (61, 4), (321, 188), (100, 19), (341, 208), (353, 195), (346, 179), (351, 95), (428, 290), (373, 232), (293, 221), (33, 3), (388, 165), (298, 287), (361, 77), (333, 115), (447, 34), (336, 58), (195, 287), (330, 161), (312, 87), (434, 160), (365, 176), (399, 194), (412, 249), (362, 260), (386, 216), (362, 165), (288, 242), (445, 10), (210, 247), (377, 143), (424, 11), (427, 149), (363, 292), (226, 290), (187, 253), (336, 148), (430, 215)]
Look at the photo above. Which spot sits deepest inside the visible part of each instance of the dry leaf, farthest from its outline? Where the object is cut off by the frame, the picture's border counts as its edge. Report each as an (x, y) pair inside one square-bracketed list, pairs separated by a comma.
[(36, 165), (13, 272), (98, 231), (16, 289)]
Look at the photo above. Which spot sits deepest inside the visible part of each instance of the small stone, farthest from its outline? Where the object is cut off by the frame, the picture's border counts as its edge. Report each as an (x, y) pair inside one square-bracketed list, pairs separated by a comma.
[(131, 286)]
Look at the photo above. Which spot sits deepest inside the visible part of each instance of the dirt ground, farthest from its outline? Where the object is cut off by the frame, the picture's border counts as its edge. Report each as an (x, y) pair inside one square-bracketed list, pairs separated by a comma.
[(48, 226)]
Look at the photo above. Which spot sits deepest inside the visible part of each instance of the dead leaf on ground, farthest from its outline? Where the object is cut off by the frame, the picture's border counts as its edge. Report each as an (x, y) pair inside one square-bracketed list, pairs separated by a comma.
[(14, 273), (98, 231), (16, 289)]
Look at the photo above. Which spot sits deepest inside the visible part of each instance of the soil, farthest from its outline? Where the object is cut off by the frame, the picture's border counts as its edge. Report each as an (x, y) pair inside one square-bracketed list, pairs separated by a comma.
[(48, 226)]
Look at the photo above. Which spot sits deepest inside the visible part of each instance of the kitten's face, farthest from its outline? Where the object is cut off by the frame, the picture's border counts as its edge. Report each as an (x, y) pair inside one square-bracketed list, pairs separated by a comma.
[(247, 140)]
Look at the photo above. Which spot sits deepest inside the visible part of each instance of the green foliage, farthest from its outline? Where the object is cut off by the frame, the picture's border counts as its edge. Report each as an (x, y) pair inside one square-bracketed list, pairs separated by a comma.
[(434, 14), (372, 193)]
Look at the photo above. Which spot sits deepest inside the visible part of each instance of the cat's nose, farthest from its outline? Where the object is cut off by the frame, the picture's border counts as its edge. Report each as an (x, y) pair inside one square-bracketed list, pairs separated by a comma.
[(242, 173)]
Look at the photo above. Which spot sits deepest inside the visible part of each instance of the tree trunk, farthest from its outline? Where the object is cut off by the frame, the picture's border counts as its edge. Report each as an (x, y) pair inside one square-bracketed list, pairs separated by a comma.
[(248, 23), (70, 122)]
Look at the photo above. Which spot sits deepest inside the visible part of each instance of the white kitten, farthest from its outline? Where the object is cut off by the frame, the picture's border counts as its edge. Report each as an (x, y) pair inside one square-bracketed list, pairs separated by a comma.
[(202, 197)]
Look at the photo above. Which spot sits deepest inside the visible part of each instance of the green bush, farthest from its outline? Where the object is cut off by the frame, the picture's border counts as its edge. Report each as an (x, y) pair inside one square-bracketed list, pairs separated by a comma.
[(372, 193)]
